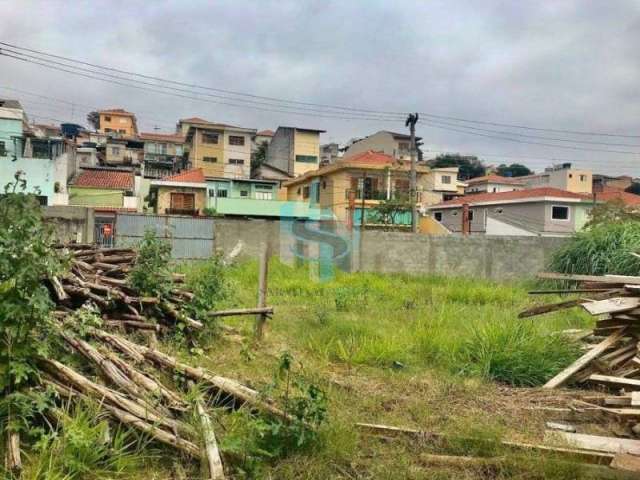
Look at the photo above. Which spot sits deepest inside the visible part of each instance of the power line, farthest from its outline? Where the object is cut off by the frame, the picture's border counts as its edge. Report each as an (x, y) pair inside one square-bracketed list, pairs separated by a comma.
[(341, 109)]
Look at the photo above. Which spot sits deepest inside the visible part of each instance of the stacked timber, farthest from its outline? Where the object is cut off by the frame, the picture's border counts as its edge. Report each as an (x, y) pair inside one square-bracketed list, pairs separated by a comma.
[(125, 378)]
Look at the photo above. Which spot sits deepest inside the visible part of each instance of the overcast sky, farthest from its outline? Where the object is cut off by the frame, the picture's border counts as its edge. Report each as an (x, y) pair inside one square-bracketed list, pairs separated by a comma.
[(558, 64)]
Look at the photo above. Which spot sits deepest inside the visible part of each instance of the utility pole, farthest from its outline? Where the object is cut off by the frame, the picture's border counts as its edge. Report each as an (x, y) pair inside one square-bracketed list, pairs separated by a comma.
[(412, 119)]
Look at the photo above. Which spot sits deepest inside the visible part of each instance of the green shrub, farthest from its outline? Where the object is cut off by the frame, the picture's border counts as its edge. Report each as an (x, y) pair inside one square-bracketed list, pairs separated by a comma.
[(151, 274), (515, 352), (208, 283), (602, 249)]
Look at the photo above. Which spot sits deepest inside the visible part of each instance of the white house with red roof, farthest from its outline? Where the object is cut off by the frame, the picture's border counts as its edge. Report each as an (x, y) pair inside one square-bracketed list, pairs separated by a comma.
[(542, 211), (182, 194), (494, 184)]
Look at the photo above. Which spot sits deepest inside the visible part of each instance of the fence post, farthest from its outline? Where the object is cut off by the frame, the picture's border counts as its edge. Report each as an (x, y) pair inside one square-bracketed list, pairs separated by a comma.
[(261, 318)]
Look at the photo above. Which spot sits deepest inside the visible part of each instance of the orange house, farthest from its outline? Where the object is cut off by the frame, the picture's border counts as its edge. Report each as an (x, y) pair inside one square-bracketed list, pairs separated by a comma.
[(119, 122)]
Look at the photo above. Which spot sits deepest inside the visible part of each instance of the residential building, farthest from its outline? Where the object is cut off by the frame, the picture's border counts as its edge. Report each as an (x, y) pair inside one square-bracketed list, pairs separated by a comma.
[(45, 131), (47, 163), (182, 194), (329, 153), (621, 183), (118, 122), (269, 172), (494, 184), (354, 186), (442, 184), (613, 194), (102, 187), (220, 150), (164, 154), (397, 145), (183, 125), (563, 177), (263, 136), (87, 155), (295, 150), (123, 151), (544, 211)]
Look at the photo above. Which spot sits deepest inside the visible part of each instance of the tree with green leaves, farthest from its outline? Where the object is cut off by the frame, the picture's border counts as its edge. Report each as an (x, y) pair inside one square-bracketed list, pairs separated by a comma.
[(513, 170), (151, 274), (259, 157), (389, 211), (93, 118), (469, 166)]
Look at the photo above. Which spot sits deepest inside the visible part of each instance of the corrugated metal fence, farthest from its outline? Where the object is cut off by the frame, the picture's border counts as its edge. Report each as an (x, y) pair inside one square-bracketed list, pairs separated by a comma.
[(190, 237)]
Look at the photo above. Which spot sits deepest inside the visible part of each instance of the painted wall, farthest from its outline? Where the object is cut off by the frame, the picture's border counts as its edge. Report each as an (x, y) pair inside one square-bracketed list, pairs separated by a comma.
[(281, 148), (305, 144), (222, 152), (378, 142), (490, 187), (122, 124), (164, 198), (95, 197)]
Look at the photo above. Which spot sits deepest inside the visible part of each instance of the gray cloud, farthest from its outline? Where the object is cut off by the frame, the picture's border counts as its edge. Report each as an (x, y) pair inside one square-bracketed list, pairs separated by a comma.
[(566, 64)]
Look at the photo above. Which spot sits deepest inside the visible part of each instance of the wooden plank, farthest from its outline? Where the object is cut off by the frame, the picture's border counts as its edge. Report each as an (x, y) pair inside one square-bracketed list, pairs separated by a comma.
[(612, 305), (617, 279), (615, 381), (635, 399), (570, 291), (261, 318), (553, 307), (241, 311), (564, 376), (593, 442), (626, 462)]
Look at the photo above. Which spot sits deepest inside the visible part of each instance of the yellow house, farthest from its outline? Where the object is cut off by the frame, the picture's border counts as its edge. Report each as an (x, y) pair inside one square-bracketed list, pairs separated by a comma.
[(356, 185), (119, 122), (181, 194), (295, 151), (221, 151)]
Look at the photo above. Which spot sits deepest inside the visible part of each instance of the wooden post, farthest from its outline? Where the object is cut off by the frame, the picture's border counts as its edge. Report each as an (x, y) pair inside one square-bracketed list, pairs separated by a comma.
[(466, 225), (261, 318), (13, 461)]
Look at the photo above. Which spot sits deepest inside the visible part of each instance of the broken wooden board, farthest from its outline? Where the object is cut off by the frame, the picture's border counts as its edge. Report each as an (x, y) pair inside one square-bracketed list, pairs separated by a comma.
[(611, 305), (635, 399), (553, 307), (592, 442), (564, 376), (614, 279), (621, 382), (626, 462)]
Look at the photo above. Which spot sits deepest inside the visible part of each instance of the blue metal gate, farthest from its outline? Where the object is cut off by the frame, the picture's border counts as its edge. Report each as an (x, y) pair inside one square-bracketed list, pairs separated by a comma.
[(190, 237)]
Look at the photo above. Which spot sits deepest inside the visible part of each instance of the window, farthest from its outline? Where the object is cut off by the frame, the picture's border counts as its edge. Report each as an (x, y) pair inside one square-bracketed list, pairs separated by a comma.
[(107, 118), (403, 146), (446, 179), (324, 184), (108, 130), (264, 196), (494, 189), (3, 150), (244, 193), (571, 175), (222, 193), (212, 193), (123, 120), (236, 161), (438, 216), (236, 140), (306, 158), (115, 150), (122, 131), (162, 147), (471, 215), (305, 192), (183, 201), (210, 138), (583, 178), (559, 212), (210, 159)]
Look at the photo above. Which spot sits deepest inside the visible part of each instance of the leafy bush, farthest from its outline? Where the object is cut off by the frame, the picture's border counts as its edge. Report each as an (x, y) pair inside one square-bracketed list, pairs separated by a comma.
[(151, 274), (209, 284), (514, 352), (602, 249)]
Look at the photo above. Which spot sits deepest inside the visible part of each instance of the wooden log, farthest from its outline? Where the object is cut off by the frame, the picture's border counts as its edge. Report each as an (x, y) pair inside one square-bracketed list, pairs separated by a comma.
[(222, 384), (178, 316), (13, 460), (618, 382), (241, 311), (553, 307), (626, 462), (593, 442), (261, 318), (134, 325), (57, 288), (212, 453), (565, 375), (615, 279), (568, 291)]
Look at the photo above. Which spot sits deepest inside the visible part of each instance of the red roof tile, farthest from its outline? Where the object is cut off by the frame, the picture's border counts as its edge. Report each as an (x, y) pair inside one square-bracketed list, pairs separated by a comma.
[(370, 158), (162, 137), (117, 111), (266, 133), (495, 179), (116, 179), (609, 194), (515, 195), (188, 176), (194, 120)]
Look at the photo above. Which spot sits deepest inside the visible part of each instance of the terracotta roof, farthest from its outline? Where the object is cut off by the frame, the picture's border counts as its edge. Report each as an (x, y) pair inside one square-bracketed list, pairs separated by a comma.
[(371, 158), (495, 179), (193, 120), (612, 194), (162, 137), (98, 178), (188, 176), (117, 111), (266, 133), (511, 196)]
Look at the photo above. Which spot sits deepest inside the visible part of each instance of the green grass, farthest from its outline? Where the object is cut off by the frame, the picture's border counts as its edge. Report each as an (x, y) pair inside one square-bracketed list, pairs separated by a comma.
[(461, 326)]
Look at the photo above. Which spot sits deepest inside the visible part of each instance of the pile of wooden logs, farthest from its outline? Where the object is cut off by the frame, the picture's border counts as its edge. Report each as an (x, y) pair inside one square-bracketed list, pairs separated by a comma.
[(123, 376)]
